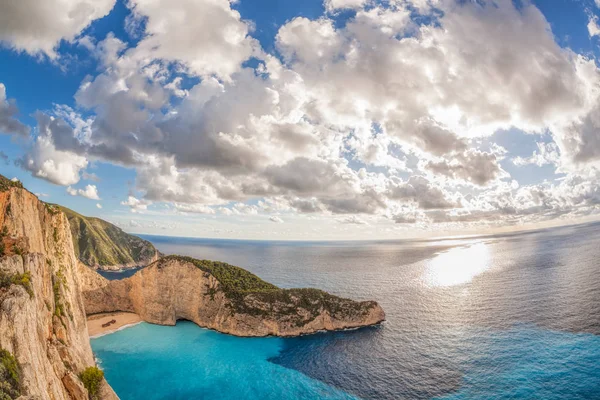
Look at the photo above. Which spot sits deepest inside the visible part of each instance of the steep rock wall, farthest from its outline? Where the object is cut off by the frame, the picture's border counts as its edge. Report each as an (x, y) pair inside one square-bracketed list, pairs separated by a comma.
[(42, 324)]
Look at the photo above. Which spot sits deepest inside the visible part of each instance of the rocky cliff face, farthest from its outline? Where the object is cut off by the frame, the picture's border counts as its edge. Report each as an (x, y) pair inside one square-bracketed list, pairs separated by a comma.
[(176, 288), (42, 317)]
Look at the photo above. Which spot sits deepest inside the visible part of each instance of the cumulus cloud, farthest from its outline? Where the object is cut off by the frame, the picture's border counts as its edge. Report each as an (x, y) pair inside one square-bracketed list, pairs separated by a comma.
[(332, 5), (136, 205), (206, 36), (382, 114), (89, 192), (99, 206), (45, 161), (8, 111), (276, 219), (38, 27)]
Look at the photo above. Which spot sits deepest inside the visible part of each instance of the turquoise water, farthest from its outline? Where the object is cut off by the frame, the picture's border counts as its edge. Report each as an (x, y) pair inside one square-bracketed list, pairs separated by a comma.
[(497, 317), (186, 362)]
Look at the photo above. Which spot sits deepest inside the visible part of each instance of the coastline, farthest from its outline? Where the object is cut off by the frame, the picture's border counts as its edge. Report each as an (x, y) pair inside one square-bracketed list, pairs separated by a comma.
[(122, 320)]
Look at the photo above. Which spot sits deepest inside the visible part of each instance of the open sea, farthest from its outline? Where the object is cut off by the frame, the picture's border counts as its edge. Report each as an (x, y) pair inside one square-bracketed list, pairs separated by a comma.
[(496, 317)]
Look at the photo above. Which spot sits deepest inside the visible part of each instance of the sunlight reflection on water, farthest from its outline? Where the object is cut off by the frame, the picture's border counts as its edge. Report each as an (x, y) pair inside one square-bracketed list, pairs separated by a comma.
[(457, 266)]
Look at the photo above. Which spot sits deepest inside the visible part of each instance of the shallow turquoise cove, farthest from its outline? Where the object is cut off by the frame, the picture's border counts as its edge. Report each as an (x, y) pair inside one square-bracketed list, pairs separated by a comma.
[(186, 362)]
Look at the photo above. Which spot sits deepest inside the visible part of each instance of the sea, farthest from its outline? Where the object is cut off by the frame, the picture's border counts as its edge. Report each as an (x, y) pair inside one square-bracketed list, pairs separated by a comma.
[(514, 316)]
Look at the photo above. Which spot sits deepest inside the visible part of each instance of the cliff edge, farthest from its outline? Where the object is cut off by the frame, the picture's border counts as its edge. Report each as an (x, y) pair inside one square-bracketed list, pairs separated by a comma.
[(225, 298), (44, 344)]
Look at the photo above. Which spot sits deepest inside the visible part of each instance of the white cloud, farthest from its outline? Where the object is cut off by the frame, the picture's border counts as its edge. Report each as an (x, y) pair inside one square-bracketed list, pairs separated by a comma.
[(90, 192), (206, 36), (8, 111), (136, 205), (382, 115), (45, 161), (37, 27), (547, 153), (333, 5), (99, 206), (276, 219), (592, 26)]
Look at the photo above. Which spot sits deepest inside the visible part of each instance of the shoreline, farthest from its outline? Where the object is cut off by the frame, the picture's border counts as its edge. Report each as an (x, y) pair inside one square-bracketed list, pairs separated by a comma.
[(122, 320)]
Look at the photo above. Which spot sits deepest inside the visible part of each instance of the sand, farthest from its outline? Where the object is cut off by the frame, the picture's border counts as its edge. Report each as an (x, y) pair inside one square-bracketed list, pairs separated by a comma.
[(94, 322)]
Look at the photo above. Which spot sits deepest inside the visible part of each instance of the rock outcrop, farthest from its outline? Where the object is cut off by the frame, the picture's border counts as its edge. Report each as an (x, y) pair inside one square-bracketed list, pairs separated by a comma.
[(42, 317), (177, 288), (102, 245)]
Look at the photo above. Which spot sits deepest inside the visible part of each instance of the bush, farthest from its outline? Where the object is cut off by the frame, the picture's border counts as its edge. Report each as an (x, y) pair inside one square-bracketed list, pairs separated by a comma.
[(6, 184), (92, 379), (23, 280), (2, 249), (17, 279), (10, 379)]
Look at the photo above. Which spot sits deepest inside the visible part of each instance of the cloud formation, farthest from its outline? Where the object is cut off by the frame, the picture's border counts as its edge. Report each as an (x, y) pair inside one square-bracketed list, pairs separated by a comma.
[(9, 124), (37, 27), (389, 114), (90, 192)]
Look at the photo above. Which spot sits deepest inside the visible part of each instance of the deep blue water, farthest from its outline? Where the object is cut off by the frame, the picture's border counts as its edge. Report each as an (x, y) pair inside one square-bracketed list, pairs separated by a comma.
[(497, 317), (115, 275)]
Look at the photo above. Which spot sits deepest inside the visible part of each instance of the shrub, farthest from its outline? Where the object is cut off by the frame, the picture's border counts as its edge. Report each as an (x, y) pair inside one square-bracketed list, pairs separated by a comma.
[(17, 250), (2, 249), (17, 279), (92, 379), (23, 280), (10, 379), (58, 307), (6, 184)]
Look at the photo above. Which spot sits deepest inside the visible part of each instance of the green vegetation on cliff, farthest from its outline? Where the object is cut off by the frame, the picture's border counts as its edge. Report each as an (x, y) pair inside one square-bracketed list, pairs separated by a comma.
[(92, 380), (99, 243), (6, 280), (251, 295), (6, 184), (10, 379), (232, 279)]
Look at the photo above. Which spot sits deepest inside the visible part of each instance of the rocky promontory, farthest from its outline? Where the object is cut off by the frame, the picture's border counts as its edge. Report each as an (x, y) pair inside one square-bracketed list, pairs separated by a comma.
[(225, 298)]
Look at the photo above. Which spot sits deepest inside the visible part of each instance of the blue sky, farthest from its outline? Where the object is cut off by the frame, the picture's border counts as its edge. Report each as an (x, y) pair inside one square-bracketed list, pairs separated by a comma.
[(306, 120)]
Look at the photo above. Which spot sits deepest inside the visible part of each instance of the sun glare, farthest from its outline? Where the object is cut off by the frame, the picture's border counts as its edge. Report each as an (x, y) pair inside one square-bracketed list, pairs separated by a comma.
[(457, 266)]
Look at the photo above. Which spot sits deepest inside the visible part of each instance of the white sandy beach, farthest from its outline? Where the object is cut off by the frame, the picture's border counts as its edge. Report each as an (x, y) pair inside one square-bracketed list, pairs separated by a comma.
[(95, 322)]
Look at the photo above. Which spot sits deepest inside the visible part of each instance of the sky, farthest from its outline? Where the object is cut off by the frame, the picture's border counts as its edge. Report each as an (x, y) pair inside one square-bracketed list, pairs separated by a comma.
[(306, 120)]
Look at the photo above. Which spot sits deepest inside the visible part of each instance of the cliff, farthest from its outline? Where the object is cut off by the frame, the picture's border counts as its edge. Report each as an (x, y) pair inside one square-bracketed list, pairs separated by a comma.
[(43, 335), (102, 245), (225, 298)]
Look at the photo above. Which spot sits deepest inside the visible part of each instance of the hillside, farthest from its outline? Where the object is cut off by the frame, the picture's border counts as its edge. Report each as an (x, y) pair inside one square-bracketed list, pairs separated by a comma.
[(100, 244)]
